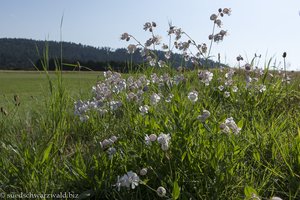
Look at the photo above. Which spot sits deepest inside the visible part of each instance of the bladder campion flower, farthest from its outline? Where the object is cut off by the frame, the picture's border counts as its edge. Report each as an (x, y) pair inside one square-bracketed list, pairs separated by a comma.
[(164, 139), (125, 36), (165, 47), (276, 198), (213, 17), (204, 116), (144, 109), (131, 48), (114, 105), (218, 22), (247, 67), (150, 138), (235, 89), (154, 99), (224, 128), (227, 11), (262, 88), (193, 96), (232, 125), (161, 63), (169, 98), (205, 77), (161, 191), (226, 94), (143, 172), (221, 87), (111, 151), (130, 179), (239, 58)]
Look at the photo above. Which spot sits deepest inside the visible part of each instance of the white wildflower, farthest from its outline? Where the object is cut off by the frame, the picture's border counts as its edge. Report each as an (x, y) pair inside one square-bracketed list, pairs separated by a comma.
[(152, 137), (232, 125), (262, 88), (152, 62), (213, 17), (227, 11), (133, 179), (168, 55), (235, 89), (164, 139), (204, 116), (276, 198), (111, 151), (178, 78), (113, 138), (224, 128), (154, 99), (221, 87), (83, 118), (125, 36), (205, 77), (114, 105), (147, 139), (144, 109), (169, 98), (229, 74), (193, 96), (128, 180), (226, 94), (143, 172), (131, 48), (161, 191), (131, 96), (161, 63), (108, 142)]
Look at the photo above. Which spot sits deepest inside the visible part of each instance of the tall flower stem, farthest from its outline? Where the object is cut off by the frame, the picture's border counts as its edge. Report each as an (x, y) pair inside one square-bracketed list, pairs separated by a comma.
[(211, 42)]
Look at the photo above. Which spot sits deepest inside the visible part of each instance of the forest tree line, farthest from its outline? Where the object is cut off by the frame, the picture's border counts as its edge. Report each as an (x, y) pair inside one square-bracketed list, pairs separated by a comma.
[(28, 54)]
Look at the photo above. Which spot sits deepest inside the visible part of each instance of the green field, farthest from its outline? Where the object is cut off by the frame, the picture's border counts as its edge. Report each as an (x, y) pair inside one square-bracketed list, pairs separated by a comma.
[(32, 83), (33, 86)]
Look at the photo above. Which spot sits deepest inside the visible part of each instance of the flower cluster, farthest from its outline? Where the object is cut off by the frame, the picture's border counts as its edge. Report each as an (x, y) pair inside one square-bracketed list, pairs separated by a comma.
[(163, 140), (205, 77), (230, 125), (217, 37), (103, 96), (150, 138), (144, 109), (183, 42), (108, 142), (129, 180), (107, 96), (106, 145)]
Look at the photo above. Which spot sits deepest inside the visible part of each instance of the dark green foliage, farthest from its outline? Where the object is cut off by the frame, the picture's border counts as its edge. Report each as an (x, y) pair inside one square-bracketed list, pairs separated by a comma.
[(24, 54)]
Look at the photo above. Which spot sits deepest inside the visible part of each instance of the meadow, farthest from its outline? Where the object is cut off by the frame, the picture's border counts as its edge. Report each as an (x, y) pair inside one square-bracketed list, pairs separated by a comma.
[(159, 133)]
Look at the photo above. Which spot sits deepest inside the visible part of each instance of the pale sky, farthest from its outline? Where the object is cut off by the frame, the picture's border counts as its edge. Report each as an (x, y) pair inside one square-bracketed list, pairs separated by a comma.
[(267, 27)]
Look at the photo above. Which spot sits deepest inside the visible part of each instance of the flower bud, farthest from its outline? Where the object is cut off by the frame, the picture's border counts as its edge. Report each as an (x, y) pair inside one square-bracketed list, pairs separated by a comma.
[(213, 17), (161, 191), (143, 172)]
